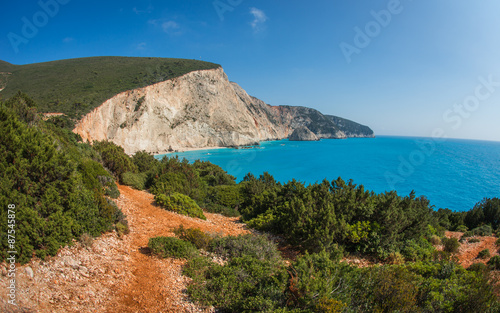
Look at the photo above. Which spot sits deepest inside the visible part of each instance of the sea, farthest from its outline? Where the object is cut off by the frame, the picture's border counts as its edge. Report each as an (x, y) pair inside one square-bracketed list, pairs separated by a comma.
[(451, 173)]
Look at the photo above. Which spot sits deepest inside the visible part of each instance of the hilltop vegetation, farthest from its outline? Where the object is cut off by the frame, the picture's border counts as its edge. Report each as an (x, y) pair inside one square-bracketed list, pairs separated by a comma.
[(76, 86)]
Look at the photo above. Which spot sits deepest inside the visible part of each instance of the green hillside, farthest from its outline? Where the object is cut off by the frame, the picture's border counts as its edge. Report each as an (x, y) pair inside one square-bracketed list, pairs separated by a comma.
[(76, 86)]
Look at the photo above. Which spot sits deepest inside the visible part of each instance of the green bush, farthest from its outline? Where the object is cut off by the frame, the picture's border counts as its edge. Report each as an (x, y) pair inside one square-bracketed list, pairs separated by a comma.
[(223, 199), (176, 176), (114, 158), (451, 245), (484, 214), (181, 204), (484, 230), (317, 276), (478, 267), (121, 229), (258, 247), (435, 240), (484, 254), (263, 222), (497, 242), (462, 228), (474, 240), (170, 247), (417, 250), (253, 279), (135, 180), (494, 262), (96, 177), (194, 235), (244, 284), (468, 234), (219, 209), (213, 174), (145, 161)]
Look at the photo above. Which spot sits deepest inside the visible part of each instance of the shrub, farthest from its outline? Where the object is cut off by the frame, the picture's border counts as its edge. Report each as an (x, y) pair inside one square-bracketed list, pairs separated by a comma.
[(494, 262), (317, 276), (244, 284), (395, 258), (474, 240), (467, 234), (181, 204), (263, 222), (175, 176), (395, 290), (114, 158), (478, 267), (213, 174), (219, 209), (86, 240), (194, 235), (197, 267), (497, 242), (226, 195), (121, 229), (329, 305), (170, 247), (435, 240), (451, 245), (258, 247), (135, 180), (484, 230), (484, 254), (145, 161), (417, 250), (462, 228)]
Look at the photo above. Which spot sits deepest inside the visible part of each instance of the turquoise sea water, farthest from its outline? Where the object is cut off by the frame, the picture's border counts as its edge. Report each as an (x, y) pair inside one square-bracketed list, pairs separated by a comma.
[(451, 173)]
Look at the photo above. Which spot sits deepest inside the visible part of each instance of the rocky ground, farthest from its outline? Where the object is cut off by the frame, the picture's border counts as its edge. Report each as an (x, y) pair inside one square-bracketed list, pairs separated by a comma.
[(117, 274)]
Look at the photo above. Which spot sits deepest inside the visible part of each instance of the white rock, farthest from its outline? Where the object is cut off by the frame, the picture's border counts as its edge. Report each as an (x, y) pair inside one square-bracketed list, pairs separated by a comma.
[(70, 262), (29, 272)]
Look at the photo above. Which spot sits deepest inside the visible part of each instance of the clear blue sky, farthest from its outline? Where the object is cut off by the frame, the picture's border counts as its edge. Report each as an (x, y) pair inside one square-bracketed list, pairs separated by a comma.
[(415, 68)]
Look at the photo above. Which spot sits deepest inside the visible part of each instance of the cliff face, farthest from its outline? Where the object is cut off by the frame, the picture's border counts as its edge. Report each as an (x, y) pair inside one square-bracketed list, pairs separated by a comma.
[(197, 110), (351, 129), (303, 134)]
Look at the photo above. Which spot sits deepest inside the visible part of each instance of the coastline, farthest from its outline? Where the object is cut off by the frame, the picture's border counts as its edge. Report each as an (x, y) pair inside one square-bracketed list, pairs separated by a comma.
[(180, 150)]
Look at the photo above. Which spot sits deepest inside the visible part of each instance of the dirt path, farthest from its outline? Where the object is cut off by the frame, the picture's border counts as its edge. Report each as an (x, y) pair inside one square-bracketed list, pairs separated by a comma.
[(116, 274), (467, 253), (157, 285)]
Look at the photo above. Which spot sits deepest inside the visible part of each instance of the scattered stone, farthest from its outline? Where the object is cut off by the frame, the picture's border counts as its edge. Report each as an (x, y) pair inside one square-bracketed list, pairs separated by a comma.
[(70, 262), (29, 272)]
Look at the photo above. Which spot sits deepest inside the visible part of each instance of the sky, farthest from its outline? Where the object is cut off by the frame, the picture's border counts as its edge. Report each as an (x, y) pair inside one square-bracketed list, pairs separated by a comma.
[(408, 68)]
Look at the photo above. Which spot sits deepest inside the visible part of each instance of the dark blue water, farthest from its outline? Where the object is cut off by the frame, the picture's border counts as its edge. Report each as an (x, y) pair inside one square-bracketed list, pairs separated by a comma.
[(454, 174)]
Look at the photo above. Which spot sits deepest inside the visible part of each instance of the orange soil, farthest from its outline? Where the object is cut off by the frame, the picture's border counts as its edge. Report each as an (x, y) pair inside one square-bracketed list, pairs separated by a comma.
[(467, 253), (150, 289)]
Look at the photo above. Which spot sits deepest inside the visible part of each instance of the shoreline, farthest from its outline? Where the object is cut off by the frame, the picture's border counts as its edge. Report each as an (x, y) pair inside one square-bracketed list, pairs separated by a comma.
[(180, 150)]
